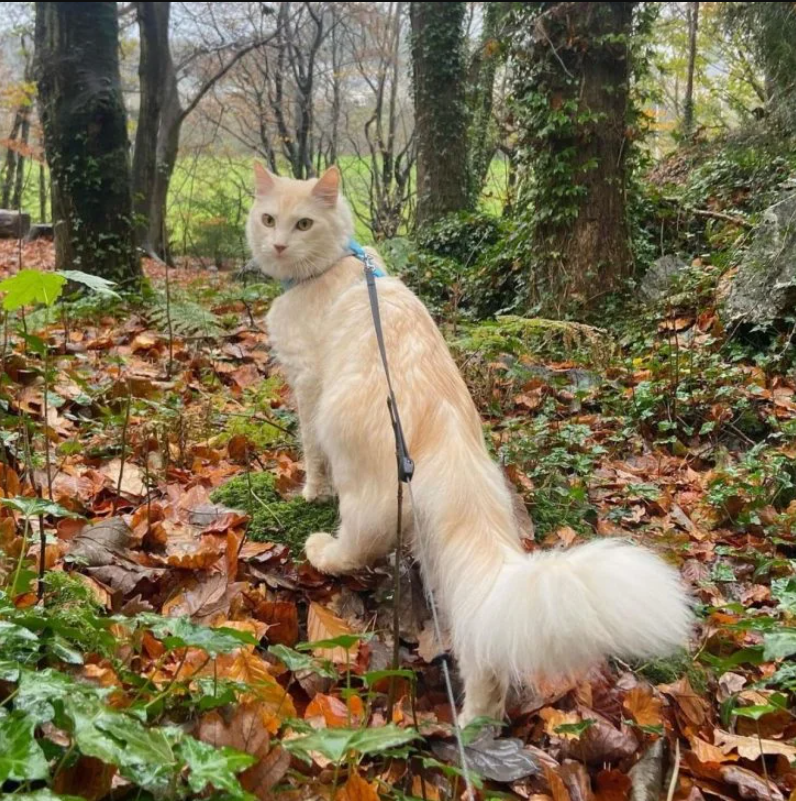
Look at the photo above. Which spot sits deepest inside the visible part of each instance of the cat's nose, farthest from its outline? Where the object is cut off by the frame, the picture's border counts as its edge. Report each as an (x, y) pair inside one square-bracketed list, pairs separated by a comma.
[(280, 249)]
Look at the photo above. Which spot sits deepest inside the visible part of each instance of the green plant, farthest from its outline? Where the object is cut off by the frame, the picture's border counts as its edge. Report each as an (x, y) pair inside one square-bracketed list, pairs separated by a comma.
[(272, 518)]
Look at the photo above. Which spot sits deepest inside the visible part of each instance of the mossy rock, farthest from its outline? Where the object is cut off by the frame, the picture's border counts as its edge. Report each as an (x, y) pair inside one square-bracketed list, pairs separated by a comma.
[(274, 519)]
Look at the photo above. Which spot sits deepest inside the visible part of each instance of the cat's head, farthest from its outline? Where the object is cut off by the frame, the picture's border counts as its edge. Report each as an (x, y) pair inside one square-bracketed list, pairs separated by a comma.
[(298, 229)]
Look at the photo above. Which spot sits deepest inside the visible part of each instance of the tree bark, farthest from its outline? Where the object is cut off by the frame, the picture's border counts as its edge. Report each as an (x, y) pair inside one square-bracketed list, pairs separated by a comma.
[(156, 78), (688, 104), (438, 77), (85, 137), (482, 136), (572, 95)]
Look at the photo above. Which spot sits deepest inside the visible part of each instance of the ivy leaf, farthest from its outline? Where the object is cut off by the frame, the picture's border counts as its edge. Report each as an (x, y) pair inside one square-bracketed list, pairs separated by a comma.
[(28, 287), (779, 644), (784, 590), (64, 651), (334, 744), (215, 766), (346, 641), (144, 755), (33, 507), (39, 690), (99, 285), (45, 795), (18, 643), (293, 661), (180, 632), (21, 758)]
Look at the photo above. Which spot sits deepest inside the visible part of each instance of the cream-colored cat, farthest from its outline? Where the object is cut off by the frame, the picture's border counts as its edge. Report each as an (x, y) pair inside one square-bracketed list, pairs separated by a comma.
[(512, 616)]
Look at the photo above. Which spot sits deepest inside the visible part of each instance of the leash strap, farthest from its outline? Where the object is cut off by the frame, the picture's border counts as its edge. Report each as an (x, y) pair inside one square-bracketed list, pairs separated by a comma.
[(406, 467), (406, 470)]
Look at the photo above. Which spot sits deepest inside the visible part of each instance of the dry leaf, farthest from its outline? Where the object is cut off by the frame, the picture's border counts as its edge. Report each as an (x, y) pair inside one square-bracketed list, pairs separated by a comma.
[(751, 747), (644, 707), (356, 789), (324, 625)]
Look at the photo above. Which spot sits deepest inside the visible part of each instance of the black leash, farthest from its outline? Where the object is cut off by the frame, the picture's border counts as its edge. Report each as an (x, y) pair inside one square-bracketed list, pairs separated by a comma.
[(406, 470)]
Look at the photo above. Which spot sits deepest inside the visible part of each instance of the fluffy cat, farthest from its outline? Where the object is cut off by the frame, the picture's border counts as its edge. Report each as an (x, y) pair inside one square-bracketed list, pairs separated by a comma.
[(512, 615)]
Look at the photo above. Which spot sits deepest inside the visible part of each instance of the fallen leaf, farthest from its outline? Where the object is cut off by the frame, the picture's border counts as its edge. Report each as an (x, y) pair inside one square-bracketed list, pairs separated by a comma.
[(282, 620), (356, 789), (501, 760), (613, 785), (643, 706), (749, 784), (751, 747), (325, 625), (132, 477)]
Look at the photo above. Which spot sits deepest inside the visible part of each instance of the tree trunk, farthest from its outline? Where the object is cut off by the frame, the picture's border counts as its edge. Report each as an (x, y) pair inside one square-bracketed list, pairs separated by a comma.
[(155, 73), (438, 76), (85, 137), (571, 95), (688, 104), (10, 169), (24, 136), (482, 136)]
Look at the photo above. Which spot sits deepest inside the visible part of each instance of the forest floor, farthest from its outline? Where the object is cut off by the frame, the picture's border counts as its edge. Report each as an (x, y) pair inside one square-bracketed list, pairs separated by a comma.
[(663, 430)]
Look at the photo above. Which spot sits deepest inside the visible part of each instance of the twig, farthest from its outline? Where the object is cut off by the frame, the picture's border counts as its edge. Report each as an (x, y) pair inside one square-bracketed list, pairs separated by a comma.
[(715, 215), (675, 771), (124, 450)]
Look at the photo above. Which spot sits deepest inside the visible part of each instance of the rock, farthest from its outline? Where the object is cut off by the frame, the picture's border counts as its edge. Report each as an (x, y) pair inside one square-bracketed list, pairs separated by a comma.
[(13, 224), (764, 287), (40, 231), (658, 279)]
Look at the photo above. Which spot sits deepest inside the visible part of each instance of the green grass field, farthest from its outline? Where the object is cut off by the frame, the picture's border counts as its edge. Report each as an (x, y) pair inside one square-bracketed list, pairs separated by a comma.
[(210, 196)]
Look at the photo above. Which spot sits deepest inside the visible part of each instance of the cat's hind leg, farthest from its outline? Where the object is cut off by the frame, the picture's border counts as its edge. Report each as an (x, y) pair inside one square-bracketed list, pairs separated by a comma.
[(366, 532)]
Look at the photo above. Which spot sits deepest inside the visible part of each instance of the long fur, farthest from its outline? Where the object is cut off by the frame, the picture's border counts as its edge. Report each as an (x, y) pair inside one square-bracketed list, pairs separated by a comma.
[(513, 616)]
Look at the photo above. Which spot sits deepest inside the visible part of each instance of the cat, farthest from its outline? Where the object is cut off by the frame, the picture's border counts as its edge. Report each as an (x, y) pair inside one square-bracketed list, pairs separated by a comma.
[(512, 615)]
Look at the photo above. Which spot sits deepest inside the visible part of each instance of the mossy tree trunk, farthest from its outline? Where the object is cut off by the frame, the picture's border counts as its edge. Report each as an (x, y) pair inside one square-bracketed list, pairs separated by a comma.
[(85, 137), (438, 78), (158, 85), (572, 108)]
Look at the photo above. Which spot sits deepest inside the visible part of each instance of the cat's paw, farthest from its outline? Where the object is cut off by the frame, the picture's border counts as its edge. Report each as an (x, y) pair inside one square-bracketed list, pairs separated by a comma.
[(320, 548), (317, 491)]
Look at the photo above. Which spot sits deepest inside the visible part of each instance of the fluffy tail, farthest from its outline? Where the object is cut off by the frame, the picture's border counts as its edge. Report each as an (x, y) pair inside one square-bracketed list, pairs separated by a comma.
[(557, 613)]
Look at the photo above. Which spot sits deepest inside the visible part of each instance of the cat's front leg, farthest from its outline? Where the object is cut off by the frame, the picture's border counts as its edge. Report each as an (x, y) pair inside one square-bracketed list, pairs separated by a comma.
[(317, 483), (366, 533)]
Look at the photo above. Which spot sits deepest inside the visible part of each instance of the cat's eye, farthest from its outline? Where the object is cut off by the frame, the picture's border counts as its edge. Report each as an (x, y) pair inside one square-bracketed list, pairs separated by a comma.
[(268, 221), (304, 224)]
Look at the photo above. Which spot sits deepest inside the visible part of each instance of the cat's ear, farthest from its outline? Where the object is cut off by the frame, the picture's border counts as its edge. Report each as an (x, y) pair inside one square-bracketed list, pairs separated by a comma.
[(328, 187), (263, 179)]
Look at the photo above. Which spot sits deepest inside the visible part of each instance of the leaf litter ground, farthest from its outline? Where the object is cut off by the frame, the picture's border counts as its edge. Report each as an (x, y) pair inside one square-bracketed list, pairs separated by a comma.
[(178, 622)]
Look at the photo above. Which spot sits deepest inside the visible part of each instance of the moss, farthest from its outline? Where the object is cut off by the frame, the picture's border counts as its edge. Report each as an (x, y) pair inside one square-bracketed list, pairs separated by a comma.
[(672, 668), (272, 518)]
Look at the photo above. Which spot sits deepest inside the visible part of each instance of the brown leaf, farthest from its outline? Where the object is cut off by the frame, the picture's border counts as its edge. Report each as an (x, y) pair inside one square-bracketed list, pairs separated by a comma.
[(356, 789), (88, 778), (643, 706), (553, 718), (602, 741), (612, 785), (707, 753), (264, 775), (750, 785), (694, 707), (245, 729), (558, 789), (334, 710), (324, 625), (751, 747), (282, 620), (577, 780), (132, 477)]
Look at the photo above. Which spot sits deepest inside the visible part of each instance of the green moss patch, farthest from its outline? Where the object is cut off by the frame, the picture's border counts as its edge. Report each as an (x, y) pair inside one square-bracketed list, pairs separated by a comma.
[(274, 519)]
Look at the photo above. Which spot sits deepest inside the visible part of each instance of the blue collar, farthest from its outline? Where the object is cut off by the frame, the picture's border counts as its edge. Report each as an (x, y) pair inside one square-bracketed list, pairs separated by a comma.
[(354, 249)]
